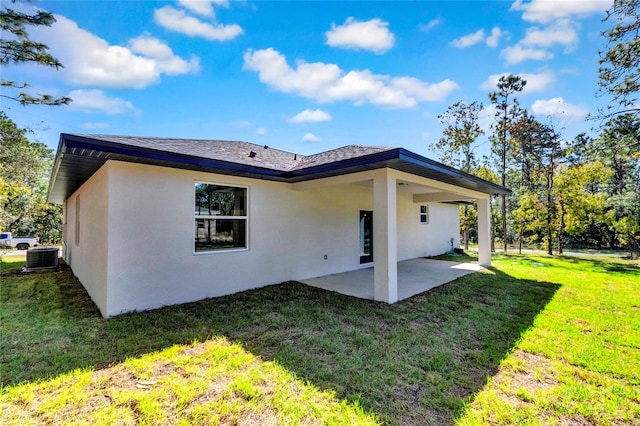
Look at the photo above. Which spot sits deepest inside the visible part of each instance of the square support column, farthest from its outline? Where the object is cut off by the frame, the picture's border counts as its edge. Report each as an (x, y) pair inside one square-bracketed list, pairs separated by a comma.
[(484, 233), (385, 238)]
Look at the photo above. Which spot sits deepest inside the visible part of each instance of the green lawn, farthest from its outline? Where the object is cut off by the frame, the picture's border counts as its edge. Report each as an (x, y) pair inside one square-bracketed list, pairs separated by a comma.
[(535, 340)]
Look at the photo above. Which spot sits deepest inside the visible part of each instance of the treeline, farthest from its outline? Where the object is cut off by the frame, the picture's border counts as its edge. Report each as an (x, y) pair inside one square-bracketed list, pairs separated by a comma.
[(566, 193), (25, 167), (580, 193)]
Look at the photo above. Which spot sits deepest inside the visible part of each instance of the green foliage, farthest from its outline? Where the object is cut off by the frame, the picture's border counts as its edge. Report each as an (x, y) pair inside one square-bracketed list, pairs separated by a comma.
[(24, 174), (17, 48), (580, 206), (620, 63), (456, 146), (583, 193)]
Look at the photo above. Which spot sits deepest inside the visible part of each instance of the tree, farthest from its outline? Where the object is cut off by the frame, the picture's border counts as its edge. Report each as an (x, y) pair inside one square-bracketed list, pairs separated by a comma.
[(577, 205), (620, 63), (24, 175), (618, 149), (507, 111), (456, 148), (16, 47), (548, 154)]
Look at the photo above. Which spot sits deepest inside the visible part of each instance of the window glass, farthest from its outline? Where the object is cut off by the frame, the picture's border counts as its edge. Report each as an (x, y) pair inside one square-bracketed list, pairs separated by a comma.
[(220, 217), (218, 200), (215, 234)]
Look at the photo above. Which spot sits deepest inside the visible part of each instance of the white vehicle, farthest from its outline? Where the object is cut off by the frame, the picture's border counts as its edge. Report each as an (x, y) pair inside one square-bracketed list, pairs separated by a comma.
[(20, 243)]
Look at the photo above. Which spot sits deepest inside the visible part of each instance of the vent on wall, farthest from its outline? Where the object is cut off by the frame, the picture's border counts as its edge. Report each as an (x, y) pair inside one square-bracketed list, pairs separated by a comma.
[(42, 257)]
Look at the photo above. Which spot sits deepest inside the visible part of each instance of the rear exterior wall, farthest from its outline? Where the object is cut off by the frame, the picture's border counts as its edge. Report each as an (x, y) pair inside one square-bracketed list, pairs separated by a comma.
[(147, 243)]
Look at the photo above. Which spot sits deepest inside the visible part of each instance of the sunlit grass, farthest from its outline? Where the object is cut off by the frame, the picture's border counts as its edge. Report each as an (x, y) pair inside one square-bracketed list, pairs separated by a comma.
[(580, 362), (535, 340)]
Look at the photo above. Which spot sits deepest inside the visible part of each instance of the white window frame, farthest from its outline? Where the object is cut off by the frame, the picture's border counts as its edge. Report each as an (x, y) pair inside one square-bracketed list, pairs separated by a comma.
[(245, 218)]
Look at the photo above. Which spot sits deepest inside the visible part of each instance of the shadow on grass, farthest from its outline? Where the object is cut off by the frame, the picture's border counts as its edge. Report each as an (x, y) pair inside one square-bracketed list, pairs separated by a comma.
[(464, 257), (614, 265), (416, 362)]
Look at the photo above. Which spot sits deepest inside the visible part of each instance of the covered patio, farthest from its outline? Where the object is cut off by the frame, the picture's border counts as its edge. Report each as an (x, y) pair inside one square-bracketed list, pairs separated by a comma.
[(415, 276), (412, 177)]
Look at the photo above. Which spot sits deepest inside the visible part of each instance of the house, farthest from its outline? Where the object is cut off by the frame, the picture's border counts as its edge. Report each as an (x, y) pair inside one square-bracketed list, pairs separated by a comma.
[(150, 222)]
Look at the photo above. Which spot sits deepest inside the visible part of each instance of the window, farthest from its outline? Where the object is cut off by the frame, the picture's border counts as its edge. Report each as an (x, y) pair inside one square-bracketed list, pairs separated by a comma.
[(220, 217), (424, 215)]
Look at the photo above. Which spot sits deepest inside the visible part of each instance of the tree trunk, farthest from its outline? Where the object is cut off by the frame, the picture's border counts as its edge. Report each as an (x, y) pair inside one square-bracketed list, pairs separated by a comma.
[(520, 242), (493, 227), (504, 222), (561, 229), (549, 216)]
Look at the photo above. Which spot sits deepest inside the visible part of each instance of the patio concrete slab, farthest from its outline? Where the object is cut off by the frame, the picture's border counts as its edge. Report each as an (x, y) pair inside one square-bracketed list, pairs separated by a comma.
[(415, 276)]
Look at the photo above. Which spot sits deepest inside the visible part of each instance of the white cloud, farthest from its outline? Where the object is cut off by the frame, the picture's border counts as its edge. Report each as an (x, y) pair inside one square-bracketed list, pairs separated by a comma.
[(203, 7), (95, 101), (310, 116), (560, 32), (149, 46), (538, 40), (424, 91), (95, 126), (469, 39), (545, 11), (430, 25), (328, 83), (478, 37), (166, 61), (90, 60), (518, 53), (535, 82), (261, 131), (178, 21), (560, 27), (310, 137), (371, 35), (557, 107), (494, 38)]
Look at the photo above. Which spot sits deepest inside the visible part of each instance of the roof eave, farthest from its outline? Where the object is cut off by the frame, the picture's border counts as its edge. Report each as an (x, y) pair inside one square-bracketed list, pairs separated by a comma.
[(74, 149)]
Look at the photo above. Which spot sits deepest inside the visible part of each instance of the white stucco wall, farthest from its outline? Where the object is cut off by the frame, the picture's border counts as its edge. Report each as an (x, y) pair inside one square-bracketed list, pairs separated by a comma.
[(416, 239), (148, 241), (151, 258), (87, 256)]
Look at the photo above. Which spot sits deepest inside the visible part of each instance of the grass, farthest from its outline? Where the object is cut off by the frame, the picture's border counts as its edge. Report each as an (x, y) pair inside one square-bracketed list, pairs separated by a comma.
[(535, 340)]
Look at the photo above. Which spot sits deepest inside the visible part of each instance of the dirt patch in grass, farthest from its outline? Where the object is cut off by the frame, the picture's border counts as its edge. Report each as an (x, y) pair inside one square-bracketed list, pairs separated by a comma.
[(525, 371)]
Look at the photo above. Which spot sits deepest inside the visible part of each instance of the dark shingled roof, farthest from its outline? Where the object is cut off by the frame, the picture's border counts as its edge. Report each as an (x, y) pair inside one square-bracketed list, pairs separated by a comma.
[(81, 155)]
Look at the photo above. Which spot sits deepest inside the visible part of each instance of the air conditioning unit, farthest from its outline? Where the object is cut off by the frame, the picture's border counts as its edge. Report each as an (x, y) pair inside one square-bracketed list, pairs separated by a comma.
[(42, 257)]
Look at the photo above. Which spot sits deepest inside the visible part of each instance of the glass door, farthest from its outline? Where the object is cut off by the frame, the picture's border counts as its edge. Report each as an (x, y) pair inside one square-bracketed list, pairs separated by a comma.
[(366, 236)]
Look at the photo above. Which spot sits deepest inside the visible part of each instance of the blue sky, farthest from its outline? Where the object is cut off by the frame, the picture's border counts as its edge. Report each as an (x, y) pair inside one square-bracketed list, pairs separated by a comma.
[(308, 76)]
